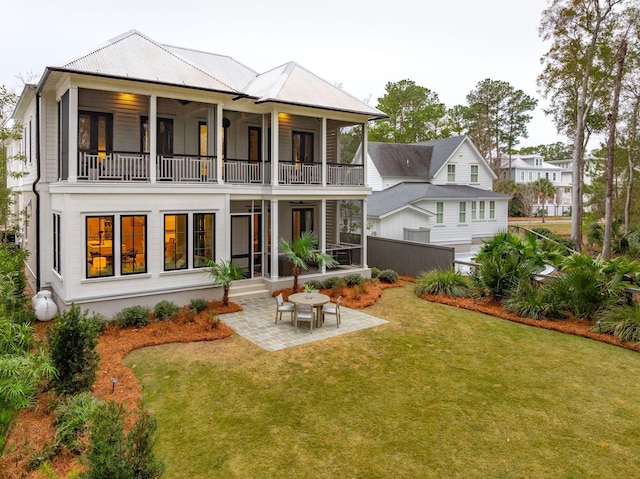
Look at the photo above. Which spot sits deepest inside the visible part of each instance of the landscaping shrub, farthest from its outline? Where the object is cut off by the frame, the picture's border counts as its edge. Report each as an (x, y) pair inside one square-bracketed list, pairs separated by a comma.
[(72, 421), (72, 342), (313, 284), (353, 279), (498, 275), (388, 276), (114, 455), (621, 321), (374, 273), (132, 316), (443, 282), (198, 304), (334, 282), (531, 300), (553, 240), (165, 310)]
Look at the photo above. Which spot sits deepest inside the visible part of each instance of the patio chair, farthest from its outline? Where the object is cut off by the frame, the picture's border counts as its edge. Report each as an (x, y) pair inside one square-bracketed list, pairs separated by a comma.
[(283, 306), (334, 309), (303, 312)]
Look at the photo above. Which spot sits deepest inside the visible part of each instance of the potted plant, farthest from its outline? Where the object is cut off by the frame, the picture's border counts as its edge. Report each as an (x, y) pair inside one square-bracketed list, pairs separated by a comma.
[(308, 288)]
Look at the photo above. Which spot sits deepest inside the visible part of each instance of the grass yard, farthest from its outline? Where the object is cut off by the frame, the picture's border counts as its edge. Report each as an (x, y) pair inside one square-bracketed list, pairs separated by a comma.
[(557, 224), (438, 392)]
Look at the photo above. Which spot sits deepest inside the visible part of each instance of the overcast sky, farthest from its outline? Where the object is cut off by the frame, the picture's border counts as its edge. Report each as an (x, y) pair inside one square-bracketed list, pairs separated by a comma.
[(447, 46)]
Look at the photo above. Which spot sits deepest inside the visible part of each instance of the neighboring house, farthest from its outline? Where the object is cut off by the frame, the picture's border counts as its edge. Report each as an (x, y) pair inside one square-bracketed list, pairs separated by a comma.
[(529, 168), (436, 192), (147, 161)]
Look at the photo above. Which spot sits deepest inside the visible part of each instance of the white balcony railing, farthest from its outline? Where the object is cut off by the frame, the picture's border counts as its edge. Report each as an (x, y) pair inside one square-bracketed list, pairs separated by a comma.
[(299, 173), (345, 175), (186, 168), (113, 166), (245, 172)]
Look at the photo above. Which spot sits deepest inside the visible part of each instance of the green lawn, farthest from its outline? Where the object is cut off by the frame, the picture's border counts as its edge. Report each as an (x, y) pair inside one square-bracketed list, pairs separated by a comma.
[(558, 225), (436, 393)]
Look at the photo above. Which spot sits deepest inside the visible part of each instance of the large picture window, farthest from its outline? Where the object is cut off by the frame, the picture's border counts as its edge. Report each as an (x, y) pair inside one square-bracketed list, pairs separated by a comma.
[(133, 232), (203, 239), (99, 237), (175, 242)]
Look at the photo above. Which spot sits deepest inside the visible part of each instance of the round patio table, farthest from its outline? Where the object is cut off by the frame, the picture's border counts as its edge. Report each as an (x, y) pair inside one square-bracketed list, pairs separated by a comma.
[(315, 300)]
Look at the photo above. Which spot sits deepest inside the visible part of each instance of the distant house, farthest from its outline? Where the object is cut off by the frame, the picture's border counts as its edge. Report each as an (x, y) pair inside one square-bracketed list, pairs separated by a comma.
[(144, 162), (529, 168), (436, 192)]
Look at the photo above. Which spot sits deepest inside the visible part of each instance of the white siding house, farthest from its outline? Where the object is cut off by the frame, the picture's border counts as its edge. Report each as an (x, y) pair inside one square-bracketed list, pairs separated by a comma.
[(436, 192), (146, 161)]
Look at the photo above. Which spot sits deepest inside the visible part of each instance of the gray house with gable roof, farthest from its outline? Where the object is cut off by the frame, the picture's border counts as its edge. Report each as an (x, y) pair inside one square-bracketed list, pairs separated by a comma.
[(436, 192)]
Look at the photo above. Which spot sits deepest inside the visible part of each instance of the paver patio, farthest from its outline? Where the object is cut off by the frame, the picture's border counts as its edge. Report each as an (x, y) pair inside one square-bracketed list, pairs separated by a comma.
[(256, 323)]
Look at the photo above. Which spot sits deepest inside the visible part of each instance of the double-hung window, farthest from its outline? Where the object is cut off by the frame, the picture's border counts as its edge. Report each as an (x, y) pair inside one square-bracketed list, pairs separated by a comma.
[(451, 173), (462, 213), (175, 242), (492, 210), (474, 173), (439, 212), (133, 240), (473, 210), (481, 212)]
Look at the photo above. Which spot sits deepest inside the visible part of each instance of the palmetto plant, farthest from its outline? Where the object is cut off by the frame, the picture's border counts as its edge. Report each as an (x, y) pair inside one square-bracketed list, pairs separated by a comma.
[(621, 321), (498, 275), (442, 282), (302, 252), (532, 300), (223, 273)]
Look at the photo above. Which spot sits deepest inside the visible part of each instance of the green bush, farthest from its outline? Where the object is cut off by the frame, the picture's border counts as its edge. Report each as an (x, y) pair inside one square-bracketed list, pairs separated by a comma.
[(621, 321), (374, 273), (72, 342), (333, 282), (499, 275), (132, 316), (353, 279), (198, 304), (442, 282), (552, 240), (530, 300), (72, 421), (114, 455), (388, 276), (165, 310)]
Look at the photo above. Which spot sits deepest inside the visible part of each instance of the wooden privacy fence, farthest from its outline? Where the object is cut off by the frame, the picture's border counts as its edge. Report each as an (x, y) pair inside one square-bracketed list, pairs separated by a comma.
[(407, 258)]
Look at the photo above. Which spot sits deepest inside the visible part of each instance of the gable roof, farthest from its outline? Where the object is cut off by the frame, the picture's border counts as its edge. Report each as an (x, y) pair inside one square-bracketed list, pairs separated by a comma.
[(383, 202), (133, 56), (423, 159)]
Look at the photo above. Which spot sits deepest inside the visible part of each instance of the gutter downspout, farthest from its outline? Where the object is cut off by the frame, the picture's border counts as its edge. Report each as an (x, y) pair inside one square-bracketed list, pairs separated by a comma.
[(35, 191)]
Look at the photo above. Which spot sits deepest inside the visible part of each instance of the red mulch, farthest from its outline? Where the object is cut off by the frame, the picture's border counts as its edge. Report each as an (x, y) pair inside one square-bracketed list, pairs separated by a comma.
[(34, 427)]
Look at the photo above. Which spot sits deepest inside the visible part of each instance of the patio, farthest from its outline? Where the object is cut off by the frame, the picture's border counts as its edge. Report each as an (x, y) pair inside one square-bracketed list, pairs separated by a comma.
[(256, 323)]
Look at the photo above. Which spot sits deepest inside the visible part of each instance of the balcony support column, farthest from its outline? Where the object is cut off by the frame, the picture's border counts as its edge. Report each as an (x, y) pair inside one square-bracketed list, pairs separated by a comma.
[(153, 137), (324, 154), (275, 160), (323, 224), (219, 139), (275, 235), (73, 135)]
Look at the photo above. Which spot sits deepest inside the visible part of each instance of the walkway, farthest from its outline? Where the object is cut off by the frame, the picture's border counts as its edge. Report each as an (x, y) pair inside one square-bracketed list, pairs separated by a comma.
[(256, 322)]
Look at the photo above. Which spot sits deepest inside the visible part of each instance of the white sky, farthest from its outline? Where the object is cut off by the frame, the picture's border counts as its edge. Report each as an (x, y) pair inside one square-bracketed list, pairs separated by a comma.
[(447, 46)]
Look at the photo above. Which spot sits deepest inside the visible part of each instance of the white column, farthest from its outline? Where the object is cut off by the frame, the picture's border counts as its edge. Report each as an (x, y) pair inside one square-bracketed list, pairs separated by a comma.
[(275, 237), (153, 136), (323, 227), (211, 137), (219, 133), (363, 234), (365, 139), (274, 148), (324, 153), (73, 135)]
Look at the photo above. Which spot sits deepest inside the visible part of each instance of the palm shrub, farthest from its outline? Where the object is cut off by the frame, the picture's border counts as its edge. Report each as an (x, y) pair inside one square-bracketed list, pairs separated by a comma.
[(532, 300), (72, 342), (223, 273), (586, 286), (621, 321), (442, 282), (498, 275), (302, 252)]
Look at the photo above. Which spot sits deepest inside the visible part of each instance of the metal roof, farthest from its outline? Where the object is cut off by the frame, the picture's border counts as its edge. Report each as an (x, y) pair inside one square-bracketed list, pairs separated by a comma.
[(137, 57), (406, 193)]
